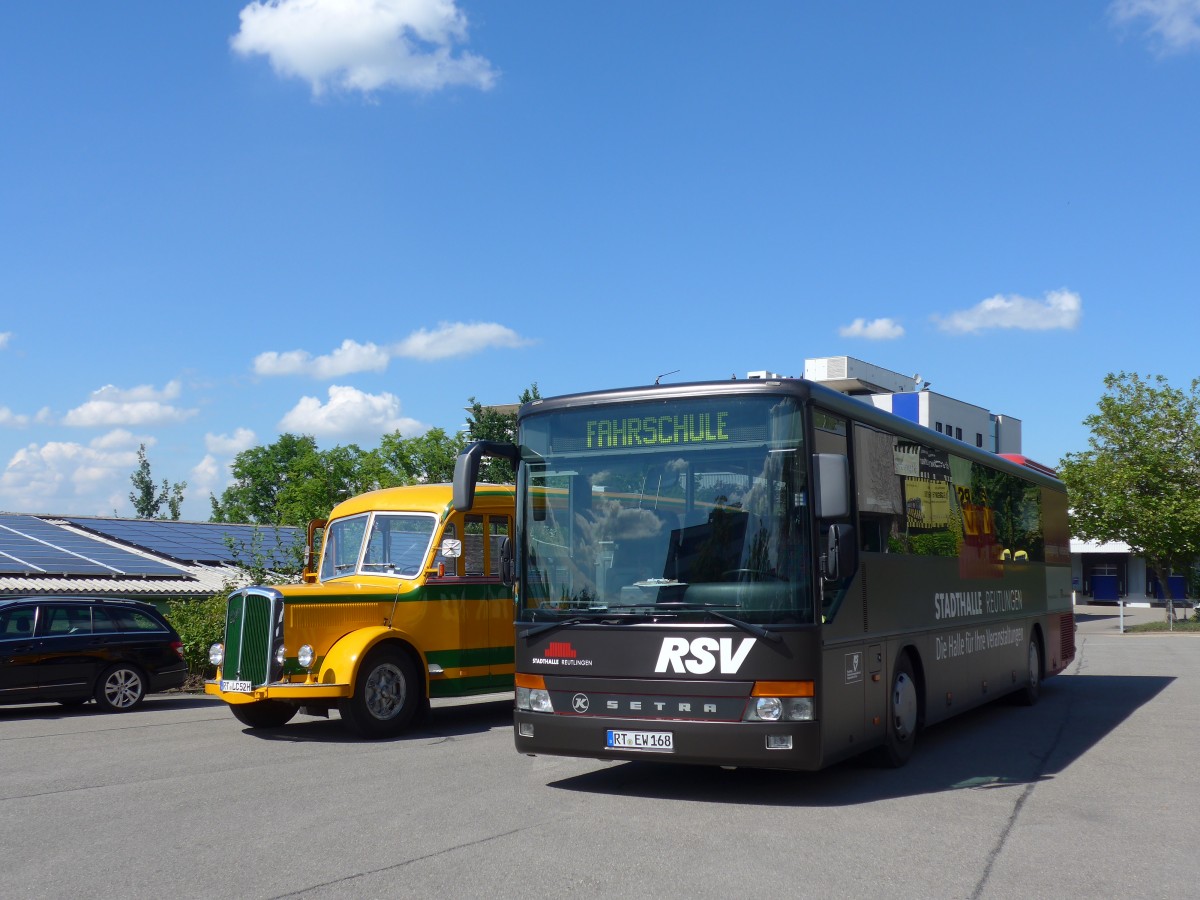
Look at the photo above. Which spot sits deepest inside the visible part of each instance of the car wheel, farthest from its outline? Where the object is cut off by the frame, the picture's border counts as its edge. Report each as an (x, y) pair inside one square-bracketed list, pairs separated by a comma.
[(386, 695), (904, 708), (263, 713), (120, 689)]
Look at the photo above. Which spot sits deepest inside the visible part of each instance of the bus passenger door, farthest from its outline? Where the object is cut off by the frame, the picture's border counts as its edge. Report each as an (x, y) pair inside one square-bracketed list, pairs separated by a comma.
[(488, 612)]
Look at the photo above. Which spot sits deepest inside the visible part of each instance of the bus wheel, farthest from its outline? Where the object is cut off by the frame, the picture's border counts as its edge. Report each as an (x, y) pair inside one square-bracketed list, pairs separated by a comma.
[(263, 713), (903, 714), (1029, 694), (386, 695)]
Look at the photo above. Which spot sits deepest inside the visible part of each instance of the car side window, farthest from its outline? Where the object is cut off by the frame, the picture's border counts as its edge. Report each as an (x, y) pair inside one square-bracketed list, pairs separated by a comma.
[(136, 620), (65, 619), (16, 623), (103, 622)]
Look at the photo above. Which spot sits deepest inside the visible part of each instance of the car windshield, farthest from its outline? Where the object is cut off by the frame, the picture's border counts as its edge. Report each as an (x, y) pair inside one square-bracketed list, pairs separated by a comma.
[(687, 528), (378, 543)]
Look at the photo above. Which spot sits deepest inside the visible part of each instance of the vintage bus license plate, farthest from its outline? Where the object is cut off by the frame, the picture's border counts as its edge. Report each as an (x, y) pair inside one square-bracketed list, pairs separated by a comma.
[(236, 687), (658, 741)]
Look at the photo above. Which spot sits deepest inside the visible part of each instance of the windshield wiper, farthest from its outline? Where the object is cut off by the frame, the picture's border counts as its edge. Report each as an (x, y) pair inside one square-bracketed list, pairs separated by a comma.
[(549, 626), (756, 630)]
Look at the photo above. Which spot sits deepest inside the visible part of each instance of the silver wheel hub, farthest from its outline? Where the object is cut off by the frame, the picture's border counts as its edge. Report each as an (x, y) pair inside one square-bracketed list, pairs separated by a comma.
[(122, 688), (1034, 667), (904, 706), (385, 691)]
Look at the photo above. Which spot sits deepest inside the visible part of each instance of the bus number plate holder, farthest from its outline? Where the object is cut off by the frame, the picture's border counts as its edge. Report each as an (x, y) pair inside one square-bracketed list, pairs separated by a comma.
[(236, 687), (652, 741)]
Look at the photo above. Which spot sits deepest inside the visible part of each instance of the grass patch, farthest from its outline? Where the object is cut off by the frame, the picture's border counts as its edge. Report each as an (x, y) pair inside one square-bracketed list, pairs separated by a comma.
[(1191, 624)]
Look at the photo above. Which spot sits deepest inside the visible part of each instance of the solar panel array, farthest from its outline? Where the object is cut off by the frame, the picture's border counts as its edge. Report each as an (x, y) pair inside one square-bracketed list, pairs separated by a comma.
[(29, 546), (203, 542)]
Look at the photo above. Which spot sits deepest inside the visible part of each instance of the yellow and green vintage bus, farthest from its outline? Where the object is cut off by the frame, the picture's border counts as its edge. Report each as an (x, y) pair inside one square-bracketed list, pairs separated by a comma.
[(407, 603)]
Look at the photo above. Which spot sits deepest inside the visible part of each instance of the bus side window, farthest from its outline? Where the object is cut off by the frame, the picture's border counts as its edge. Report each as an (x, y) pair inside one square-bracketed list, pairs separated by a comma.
[(498, 532), (473, 536), (451, 564)]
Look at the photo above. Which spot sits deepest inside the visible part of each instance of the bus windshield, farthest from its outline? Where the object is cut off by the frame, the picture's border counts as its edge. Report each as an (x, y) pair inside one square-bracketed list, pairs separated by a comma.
[(378, 544), (667, 508)]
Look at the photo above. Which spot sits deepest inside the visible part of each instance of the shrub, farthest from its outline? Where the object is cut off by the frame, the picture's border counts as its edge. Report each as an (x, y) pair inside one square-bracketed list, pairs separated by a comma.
[(200, 623)]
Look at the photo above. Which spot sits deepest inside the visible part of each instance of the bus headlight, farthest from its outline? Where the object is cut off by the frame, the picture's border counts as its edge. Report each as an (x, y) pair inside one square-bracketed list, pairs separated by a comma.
[(280, 655), (305, 656), (798, 709), (531, 693), (768, 709), (216, 654)]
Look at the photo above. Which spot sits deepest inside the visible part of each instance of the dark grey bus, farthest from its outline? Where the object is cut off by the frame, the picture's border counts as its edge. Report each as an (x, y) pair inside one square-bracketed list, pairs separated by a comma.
[(768, 573)]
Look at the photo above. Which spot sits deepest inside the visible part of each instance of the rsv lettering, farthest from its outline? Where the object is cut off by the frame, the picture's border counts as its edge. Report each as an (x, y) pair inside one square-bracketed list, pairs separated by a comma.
[(701, 655)]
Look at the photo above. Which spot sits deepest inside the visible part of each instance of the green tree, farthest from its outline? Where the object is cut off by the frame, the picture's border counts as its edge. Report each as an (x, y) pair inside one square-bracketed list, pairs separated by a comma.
[(487, 423), (147, 499), (1140, 480), (426, 459), (260, 474)]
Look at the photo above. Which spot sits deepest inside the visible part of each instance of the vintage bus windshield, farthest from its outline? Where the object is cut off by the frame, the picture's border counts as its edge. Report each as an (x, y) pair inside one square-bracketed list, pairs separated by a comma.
[(667, 508), (377, 543)]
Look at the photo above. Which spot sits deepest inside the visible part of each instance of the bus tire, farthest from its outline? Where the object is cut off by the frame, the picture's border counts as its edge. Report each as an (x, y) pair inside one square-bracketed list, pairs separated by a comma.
[(1028, 695), (904, 708), (263, 713), (386, 696)]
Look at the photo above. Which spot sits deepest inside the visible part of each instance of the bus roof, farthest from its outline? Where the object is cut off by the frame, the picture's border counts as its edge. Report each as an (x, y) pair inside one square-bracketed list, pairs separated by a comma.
[(429, 498)]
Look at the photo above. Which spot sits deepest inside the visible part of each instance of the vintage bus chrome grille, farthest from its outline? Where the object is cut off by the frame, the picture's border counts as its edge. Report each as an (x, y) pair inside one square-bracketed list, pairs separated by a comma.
[(248, 618)]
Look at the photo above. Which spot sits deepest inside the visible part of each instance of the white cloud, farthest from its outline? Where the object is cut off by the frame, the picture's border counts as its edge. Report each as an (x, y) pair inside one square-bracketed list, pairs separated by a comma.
[(5, 337), (875, 330), (449, 339), (1060, 310), (347, 359), (1174, 24), (10, 419), (457, 339), (142, 405), (41, 476), (349, 414), (229, 445), (363, 45)]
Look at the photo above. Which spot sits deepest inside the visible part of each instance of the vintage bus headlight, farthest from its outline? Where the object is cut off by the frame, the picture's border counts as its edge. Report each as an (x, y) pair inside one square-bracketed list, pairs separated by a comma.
[(280, 655), (216, 654), (305, 656)]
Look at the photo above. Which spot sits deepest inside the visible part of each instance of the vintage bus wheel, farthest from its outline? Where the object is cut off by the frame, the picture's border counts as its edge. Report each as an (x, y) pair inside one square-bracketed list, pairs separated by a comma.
[(386, 695), (903, 714), (1033, 687), (263, 713)]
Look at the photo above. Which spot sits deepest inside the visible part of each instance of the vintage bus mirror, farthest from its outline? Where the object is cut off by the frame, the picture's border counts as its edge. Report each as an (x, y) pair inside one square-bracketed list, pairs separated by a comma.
[(451, 548), (831, 485), (840, 553)]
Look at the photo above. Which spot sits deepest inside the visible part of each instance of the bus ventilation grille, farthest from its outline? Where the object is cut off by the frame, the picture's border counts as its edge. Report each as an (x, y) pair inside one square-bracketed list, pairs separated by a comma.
[(1066, 631)]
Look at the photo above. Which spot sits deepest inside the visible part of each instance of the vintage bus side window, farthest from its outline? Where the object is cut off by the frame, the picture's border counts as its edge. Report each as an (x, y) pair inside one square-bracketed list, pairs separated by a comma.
[(473, 535), (498, 530), (450, 531)]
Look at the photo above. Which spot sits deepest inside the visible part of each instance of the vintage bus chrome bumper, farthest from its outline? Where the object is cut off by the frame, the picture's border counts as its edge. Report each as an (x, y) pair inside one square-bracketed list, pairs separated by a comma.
[(297, 692)]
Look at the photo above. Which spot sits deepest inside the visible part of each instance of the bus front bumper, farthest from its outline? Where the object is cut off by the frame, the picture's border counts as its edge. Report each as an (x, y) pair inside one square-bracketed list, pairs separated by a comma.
[(296, 693), (766, 745)]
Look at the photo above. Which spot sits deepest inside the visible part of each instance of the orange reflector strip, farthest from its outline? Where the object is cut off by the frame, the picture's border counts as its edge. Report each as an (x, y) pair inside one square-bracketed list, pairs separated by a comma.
[(537, 682), (782, 689)]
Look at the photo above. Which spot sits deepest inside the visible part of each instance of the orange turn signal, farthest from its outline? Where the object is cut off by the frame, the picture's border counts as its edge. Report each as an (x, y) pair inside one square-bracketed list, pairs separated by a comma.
[(782, 689), (535, 682)]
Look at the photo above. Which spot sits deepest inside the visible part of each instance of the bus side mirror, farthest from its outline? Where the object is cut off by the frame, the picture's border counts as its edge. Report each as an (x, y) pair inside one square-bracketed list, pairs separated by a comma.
[(466, 468), (831, 485), (841, 554), (507, 575)]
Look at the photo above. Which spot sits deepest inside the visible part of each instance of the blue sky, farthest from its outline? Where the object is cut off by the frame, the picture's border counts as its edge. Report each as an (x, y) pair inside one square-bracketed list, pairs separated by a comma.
[(222, 221)]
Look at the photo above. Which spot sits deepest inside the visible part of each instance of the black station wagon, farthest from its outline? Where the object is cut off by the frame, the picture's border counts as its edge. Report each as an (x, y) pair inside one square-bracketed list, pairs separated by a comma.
[(70, 650)]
